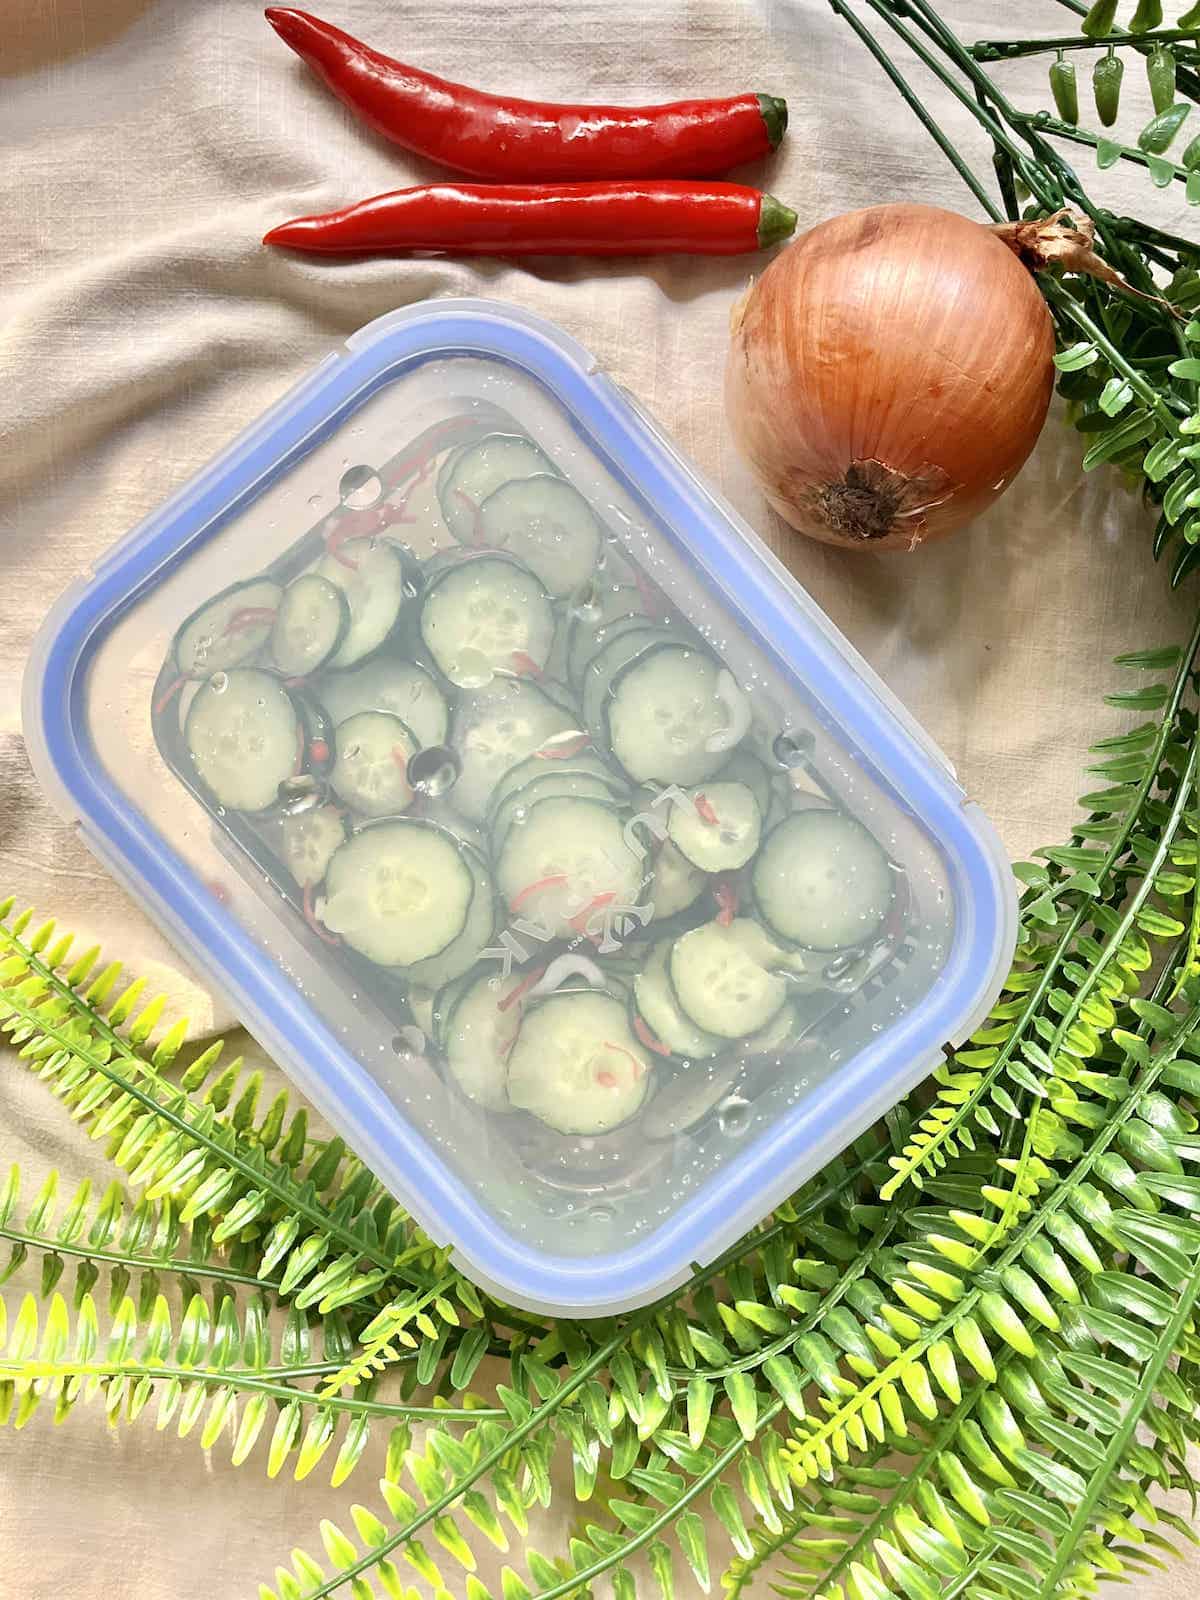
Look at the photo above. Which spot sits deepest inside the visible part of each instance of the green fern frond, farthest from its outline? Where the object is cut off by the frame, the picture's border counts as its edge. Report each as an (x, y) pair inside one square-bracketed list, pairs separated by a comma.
[(169, 1144)]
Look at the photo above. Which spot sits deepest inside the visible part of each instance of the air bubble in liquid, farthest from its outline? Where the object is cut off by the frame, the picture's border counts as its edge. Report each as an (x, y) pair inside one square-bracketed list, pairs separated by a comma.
[(434, 771), (733, 1115), (219, 682), (793, 749), (360, 487)]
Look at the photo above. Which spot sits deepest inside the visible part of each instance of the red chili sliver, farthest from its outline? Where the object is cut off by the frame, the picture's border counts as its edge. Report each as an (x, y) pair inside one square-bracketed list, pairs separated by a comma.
[(704, 810), (655, 217), (726, 895), (648, 1039), (505, 139)]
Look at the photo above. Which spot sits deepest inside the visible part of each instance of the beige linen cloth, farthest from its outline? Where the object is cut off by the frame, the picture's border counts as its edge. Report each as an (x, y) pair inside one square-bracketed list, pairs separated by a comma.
[(145, 145)]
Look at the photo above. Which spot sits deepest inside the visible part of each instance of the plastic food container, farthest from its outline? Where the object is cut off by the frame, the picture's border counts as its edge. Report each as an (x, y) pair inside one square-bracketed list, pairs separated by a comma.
[(523, 807)]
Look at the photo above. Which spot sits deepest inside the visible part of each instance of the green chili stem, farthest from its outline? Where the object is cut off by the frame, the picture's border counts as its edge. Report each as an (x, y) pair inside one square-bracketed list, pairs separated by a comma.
[(1043, 122), (1010, 49)]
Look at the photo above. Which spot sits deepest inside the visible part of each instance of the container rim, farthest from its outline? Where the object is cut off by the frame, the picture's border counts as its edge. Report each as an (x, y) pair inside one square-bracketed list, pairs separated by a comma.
[(772, 606)]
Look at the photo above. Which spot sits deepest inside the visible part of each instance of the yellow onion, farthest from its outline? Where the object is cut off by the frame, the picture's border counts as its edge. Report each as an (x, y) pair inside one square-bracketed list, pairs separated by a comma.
[(889, 374)]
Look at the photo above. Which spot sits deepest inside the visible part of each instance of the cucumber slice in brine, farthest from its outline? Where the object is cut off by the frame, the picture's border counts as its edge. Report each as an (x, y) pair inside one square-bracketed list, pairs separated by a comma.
[(822, 881), (398, 892), (717, 827), (370, 573), (576, 1065), (244, 738), (309, 840), (370, 772), (310, 623), (485, 615), (547, 525), (475, 471), (228, 629), (388, 683)]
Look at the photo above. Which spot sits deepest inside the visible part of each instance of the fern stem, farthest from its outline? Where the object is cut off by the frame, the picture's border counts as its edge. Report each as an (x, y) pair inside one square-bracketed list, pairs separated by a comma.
[(34, 1371), (578, 1582), (784, 1341), (459, 1486), (1050, 969), (287, 1192), (1104, 1473), (135, 1263), (1033, 1225)]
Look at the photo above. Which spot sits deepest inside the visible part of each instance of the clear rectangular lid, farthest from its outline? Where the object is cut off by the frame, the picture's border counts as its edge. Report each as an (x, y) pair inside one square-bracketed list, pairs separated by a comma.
[(523, 806)]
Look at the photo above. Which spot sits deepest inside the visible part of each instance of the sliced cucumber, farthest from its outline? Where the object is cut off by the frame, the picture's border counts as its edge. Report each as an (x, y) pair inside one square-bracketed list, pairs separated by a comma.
[(659, 1010), (398, 892), (547, 524), (475, 471), (822, 880), (310, 623), (463, 952), (374, 589), (479, 1035), (550, 786), (228, 629), (486, 615), (677, 883), (718, 827), (493, 730), (244, 737), (662, 708), (536, 767), (598, 677), (309, 840), (720, 985), (596, 618), (370, 772), (576, 1064), (389, 684), (567, 864)]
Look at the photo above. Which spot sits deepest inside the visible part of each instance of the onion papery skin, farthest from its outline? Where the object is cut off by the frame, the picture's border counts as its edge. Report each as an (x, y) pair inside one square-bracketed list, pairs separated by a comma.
[(888, 376)]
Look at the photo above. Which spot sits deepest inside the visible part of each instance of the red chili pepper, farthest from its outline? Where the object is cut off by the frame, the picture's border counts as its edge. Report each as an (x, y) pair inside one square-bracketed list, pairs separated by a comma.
[(726, 896), (524, 665), (517, 994), (563, 752), (580, 920), (656, 217), (501, 138), (648, 1039), (637, 1068), (557, 880), (704, 810), (319, 750), (168, 694), (249, 617)]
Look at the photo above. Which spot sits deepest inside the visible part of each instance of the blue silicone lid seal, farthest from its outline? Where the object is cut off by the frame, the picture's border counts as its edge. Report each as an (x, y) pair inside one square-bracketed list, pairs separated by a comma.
[(91, 745)]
